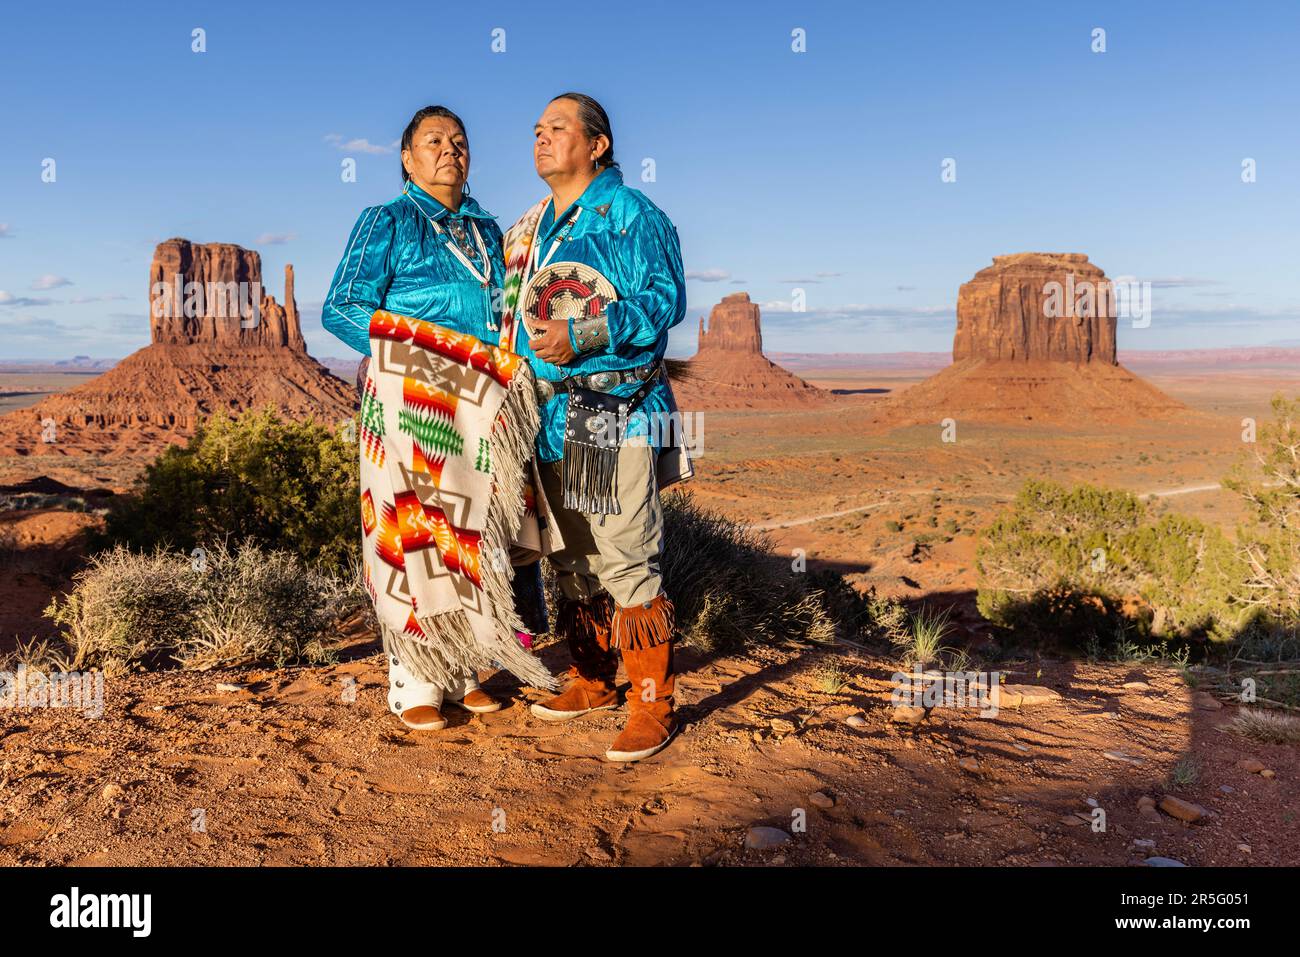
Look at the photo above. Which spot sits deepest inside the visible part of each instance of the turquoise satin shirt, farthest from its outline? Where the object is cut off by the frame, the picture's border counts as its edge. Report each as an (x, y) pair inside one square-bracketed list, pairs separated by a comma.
[(396, 260), (628, 239)]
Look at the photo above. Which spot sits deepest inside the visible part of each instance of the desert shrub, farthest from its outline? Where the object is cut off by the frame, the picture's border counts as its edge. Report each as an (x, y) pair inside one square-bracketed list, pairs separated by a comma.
[(1270, 544), (1081, 562), (729, 589), (282, 484), (224, 607)]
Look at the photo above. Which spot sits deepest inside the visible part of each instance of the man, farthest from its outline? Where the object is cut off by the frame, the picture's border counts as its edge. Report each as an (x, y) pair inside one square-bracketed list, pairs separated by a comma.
[(618, 290)]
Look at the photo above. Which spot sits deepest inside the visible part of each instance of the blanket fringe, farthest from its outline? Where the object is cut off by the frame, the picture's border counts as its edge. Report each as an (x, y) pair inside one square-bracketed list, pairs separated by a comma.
[(510, 446)]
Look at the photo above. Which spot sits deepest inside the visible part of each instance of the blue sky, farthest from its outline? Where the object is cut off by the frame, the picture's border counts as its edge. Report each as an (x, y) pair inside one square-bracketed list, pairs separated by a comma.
[(783, 170)]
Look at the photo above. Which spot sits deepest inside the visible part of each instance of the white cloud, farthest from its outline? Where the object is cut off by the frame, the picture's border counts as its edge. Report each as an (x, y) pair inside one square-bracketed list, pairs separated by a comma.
[(107, 297), (275, 239), (708, 275), (358, 145), (5, 232), (50, 281), (9, 299)]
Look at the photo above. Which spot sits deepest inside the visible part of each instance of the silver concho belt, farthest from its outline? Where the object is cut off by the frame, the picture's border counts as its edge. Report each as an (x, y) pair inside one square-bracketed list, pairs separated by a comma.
[(602, 381)]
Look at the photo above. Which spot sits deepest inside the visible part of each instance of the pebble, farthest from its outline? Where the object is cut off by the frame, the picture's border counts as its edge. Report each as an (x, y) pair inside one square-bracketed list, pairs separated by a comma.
[(1020, 696), (1121, 756), (1146, 800), (1136, 686), (654, 806), (231, 686), (856, 721), (1244, 848), (821, 799), (907, 714), (112, 792), (1020, 747), (765, 837), (1183, 810), (599, 854), (1164, 862), (1144, 844), (1268, 773), (1251, 765), (1148, 812), (969, 764), (782, 726), (1091, 802), (1206, 701)]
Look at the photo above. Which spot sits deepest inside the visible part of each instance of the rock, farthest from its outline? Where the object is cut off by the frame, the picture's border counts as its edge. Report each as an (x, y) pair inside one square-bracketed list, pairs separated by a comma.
[(1206, 701), (1006, 311), (1136, 686), (1091, 802), (761, 838), (907, 714), (1148, 812), (1268, 773), (1073, 820), (1021, 696), (1035, 340), (1244, 848), (856, 721), (729, 369), (781, 726), (1020, 747), (1144, 844), (821, 799), (1226, 789), (969, 764), (654, 806), (1251, 765), (195, 365), (1183, 810), (1146, 801), (231, 686), (598, 854), (112, 792), (212, 268), (1121, 756), (1163, 862)]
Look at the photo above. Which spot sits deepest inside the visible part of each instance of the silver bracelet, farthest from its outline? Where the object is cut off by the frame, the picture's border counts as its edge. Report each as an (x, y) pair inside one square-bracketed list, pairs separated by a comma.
[(591, 334)]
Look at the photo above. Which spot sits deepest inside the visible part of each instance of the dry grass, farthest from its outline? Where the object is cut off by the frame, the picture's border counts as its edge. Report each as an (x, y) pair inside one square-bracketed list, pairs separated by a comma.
[(1271, 727), (227, 607)]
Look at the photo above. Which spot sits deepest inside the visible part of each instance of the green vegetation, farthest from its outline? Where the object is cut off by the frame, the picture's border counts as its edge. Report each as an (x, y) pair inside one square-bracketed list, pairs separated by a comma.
[(258, 478)]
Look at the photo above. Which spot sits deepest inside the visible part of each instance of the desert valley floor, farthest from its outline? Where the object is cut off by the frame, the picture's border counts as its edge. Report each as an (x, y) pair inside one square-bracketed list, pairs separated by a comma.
[(286, 772)]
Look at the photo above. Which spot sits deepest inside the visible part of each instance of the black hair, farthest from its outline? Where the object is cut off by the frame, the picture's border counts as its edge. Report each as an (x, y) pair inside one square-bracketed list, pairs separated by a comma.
[(595, 122), (420, 116)]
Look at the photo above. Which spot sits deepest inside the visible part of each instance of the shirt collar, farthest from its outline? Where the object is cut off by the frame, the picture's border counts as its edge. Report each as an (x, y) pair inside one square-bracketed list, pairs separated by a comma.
[(599, 192), (436, 211)]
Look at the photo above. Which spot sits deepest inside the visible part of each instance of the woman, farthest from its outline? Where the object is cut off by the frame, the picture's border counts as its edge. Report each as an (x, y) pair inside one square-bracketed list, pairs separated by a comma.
[(447, 425)]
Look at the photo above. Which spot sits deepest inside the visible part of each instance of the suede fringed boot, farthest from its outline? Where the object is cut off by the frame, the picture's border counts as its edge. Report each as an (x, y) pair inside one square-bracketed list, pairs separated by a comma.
[(644, 635), (586, 627)]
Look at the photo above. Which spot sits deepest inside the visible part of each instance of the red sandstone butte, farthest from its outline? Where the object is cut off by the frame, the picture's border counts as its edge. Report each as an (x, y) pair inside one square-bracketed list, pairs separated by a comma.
[(202, 360), (729, 369), (1035, 342)]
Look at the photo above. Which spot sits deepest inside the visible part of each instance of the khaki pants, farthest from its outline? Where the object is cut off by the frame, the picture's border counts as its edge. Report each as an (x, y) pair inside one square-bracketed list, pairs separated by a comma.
[(620, 553)]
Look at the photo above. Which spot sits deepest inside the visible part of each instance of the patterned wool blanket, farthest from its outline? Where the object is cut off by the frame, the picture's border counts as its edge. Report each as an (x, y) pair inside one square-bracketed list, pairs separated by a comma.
[(518, 248), (446, 435)]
